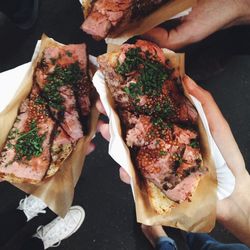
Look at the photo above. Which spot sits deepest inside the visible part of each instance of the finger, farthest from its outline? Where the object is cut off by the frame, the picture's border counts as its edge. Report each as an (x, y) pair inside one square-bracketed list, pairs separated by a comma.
[(159, 36), (103, 128), (100, 107), (91, 148), (205, 18), (185, 34), (219, 128), (124, 176), (211, 109)]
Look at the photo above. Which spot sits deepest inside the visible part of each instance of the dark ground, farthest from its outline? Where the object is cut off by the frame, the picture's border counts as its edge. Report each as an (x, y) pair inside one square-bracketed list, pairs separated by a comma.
[(221, 64)]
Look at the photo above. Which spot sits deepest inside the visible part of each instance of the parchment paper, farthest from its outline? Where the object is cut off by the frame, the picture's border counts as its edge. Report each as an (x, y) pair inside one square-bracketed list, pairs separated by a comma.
[(195, 216), (58, 191)]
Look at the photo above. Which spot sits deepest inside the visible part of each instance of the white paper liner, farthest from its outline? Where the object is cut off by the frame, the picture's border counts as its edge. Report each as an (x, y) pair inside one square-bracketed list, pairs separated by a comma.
[(226, 180), (181, 14), (10, 80), (118, 149)]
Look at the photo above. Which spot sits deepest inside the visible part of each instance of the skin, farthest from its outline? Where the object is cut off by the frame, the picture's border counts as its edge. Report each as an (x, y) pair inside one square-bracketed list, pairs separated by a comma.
[(233, 212), (207, 17), (152, 233)]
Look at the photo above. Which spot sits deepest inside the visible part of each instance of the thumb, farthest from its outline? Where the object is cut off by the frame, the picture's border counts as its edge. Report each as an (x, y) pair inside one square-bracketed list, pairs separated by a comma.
[(219, 127), (186, 33)]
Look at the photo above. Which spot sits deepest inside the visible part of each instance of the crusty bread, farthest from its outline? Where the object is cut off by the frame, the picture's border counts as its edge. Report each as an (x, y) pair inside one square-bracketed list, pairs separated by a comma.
[(18, 180), (158, 199), (61, 156), (87, 5)]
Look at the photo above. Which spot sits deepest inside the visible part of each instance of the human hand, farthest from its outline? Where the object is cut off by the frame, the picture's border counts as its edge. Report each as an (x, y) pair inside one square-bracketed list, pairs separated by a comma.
[(103, 128), (207, 17), (233, 212)]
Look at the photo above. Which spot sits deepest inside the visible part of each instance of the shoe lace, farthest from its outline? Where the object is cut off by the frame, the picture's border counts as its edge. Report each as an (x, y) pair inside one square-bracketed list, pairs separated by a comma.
[(40, 234), (29, 210)]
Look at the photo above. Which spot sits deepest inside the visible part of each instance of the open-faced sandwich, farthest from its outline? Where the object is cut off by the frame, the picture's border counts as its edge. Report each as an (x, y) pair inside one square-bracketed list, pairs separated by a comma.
[(105, 17), (52, 118), (159, 123)]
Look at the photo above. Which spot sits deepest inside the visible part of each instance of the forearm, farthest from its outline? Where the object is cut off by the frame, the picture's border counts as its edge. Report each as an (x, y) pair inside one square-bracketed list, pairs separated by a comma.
[(240, 229)]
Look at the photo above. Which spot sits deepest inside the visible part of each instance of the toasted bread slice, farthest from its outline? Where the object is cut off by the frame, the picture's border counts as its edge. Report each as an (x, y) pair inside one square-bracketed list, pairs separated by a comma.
[(158, 200)]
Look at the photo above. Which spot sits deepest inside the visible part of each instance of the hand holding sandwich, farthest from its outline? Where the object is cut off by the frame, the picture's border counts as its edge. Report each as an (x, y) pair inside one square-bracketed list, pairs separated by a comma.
[(207, 17), (233, 212)]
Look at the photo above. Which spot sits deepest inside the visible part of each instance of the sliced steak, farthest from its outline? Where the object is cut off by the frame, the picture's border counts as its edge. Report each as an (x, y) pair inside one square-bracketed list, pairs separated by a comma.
[(141, 130), (157, 162), (105, 15), (62, 77), (184, 136), (184, 189), (49, 120), (109, 15), (159, 122), (187, 112), (70, 120), (26, 153)]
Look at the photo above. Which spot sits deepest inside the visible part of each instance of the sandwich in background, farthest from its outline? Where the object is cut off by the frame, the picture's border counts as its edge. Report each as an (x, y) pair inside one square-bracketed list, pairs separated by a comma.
[(117, 21)]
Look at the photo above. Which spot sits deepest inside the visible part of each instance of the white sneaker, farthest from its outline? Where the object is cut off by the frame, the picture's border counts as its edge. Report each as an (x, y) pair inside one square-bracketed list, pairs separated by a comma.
[(32, 206), (61, 228)]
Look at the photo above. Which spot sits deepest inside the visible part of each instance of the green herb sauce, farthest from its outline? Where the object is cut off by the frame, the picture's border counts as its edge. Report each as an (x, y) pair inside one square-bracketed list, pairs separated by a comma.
[(162, 153), (29, 144), (61, 76), (159, 122), (152, 74), (194, 143)]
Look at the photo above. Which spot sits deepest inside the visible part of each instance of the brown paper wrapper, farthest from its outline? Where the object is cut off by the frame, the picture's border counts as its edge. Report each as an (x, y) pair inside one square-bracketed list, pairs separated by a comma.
[(57, 191), (159, 16), (198, 215)]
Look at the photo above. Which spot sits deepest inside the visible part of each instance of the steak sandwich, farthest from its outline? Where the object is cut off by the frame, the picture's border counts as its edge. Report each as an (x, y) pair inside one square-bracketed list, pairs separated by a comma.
[(53, 117), (105, 17), (159, 123)]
